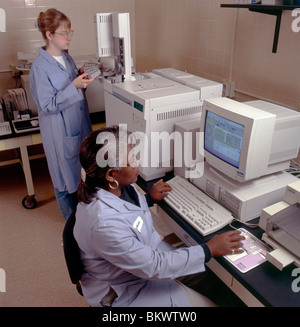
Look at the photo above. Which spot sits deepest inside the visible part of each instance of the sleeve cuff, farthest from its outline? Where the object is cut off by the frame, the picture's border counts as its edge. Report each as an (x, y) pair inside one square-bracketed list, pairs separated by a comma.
[(206, 252), (149, 200)]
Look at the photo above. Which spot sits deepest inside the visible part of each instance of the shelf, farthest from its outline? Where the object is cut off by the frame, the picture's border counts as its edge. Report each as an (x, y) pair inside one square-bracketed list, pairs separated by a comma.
[(261, 7), (269, 10)]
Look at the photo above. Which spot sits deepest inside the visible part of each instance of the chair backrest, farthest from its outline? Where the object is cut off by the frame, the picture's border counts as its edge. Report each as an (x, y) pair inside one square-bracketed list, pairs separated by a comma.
[(71, 250)]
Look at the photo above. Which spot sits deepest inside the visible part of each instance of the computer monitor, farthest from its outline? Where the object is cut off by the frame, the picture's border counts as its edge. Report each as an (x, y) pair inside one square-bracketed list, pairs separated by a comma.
[(245, 142)]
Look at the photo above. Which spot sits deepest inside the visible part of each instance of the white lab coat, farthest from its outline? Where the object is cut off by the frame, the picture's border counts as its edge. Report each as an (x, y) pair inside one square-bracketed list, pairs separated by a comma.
[(121, 249), (63, 117)]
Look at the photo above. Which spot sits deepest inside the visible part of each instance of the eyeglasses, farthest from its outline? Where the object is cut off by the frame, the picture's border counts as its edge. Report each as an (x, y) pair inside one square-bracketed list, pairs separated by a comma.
[(65, 34)]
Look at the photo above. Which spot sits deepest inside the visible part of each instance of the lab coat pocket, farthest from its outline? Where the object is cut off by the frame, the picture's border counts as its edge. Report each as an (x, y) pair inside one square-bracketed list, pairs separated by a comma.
[(71, 146)]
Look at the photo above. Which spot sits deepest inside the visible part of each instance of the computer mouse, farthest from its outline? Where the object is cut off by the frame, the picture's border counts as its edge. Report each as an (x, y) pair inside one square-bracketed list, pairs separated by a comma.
[(34, 122)]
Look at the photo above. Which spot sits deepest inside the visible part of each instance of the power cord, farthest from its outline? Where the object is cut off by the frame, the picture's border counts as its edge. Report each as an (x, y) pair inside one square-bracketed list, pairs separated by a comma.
[(250, 225)]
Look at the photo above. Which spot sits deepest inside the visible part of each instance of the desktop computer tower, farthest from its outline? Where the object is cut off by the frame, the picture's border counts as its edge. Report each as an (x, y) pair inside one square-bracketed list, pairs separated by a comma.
[(245, 200)]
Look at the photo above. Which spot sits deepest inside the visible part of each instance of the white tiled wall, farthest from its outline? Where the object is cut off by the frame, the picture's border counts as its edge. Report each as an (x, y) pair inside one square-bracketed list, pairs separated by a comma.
[(194, 35), (257, 70), (22, 36), (198, 35)]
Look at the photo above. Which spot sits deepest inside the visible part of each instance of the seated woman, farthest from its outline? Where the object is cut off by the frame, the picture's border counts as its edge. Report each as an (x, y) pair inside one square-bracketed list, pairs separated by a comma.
[(125, 261)]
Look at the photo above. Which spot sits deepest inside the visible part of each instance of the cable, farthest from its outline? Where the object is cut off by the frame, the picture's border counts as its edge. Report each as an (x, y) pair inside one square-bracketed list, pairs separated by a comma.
[(250, 225)]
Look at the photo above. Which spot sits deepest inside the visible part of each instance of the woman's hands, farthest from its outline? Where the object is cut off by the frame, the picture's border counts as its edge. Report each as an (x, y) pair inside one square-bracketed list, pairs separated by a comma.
[(222, 244), (81, 82), (226, 243), (81, 71), (159, 190)]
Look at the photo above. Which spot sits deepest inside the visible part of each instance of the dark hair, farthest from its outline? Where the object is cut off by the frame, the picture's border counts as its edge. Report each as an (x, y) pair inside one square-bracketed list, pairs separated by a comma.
[(50, 21), (94, 174)]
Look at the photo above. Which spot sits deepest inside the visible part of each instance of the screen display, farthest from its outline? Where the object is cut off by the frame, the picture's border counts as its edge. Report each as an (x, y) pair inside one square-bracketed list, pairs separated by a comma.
[(138, 106), (223, 138)]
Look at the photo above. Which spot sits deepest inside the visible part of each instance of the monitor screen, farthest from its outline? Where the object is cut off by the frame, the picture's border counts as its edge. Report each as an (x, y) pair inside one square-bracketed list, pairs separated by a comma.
[(223, 138), (247, 141)]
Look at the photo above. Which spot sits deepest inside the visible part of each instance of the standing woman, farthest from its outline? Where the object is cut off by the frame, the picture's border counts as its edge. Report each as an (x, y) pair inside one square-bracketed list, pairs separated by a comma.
[(63, 112)]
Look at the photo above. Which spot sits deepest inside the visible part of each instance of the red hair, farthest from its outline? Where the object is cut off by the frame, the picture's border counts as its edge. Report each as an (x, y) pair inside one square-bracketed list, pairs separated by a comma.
[(50, 21)]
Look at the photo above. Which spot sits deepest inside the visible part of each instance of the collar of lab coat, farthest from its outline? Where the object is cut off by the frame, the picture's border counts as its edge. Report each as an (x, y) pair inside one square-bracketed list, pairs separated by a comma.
[(50, 58), (118, 204)]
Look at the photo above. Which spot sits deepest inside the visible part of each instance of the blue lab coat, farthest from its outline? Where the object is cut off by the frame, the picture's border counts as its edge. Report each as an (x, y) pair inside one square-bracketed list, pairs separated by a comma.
[(63, 117), (121, 249)]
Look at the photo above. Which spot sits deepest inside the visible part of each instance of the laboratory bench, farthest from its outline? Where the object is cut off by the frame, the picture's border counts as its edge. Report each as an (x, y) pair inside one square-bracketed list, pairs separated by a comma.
[(22, 141), (262, 286)]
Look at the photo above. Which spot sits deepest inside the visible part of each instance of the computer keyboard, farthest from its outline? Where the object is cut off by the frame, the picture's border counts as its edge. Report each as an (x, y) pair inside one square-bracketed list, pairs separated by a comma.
[(92, 70), (197, 208), (5, 128)]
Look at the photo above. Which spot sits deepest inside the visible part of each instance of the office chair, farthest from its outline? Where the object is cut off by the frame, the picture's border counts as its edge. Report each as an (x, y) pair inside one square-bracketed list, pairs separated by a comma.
[(72, 253)]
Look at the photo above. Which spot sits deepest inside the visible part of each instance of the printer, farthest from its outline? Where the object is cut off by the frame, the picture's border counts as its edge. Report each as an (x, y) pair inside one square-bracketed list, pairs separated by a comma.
[(281, 223)]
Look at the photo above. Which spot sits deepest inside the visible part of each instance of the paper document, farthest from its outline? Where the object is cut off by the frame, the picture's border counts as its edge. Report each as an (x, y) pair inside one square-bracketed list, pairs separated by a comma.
[(254, 253)]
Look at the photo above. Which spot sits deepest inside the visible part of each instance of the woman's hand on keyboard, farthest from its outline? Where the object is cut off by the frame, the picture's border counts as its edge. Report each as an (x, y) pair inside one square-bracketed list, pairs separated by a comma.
[(226, 243), (159, 190)]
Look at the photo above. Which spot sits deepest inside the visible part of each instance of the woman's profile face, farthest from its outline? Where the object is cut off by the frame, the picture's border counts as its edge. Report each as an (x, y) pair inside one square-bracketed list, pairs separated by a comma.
[(62, 37), (128, 174)]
